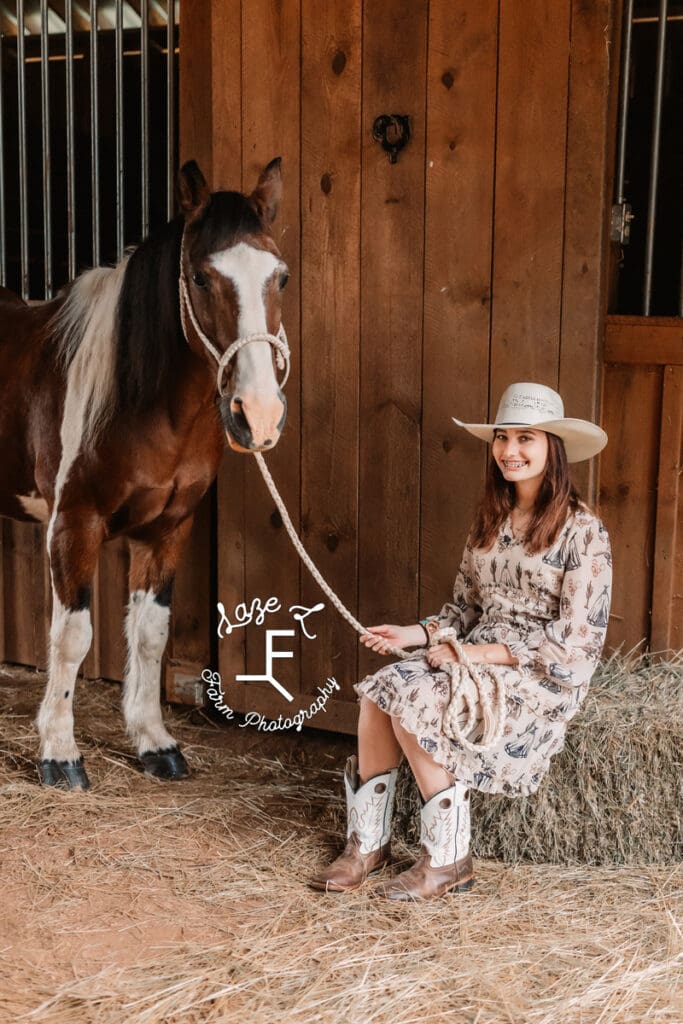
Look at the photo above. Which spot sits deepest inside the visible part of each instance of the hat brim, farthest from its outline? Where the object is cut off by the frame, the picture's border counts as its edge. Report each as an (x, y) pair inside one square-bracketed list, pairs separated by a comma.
[(582, 439)]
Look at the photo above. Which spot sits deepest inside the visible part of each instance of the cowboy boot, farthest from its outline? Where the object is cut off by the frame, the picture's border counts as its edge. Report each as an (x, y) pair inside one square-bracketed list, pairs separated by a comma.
[(368, 831), (445, 861)]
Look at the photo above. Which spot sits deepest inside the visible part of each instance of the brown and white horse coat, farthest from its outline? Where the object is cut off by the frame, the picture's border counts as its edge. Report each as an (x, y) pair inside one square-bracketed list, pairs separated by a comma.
[(110, 426)]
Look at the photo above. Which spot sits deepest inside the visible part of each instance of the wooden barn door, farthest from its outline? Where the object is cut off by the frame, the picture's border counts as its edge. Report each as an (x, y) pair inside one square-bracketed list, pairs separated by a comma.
[(419, 288), (640, 480)]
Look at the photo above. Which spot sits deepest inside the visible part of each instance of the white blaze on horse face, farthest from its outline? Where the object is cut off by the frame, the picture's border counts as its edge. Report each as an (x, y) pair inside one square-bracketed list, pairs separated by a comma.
[(250, 269)]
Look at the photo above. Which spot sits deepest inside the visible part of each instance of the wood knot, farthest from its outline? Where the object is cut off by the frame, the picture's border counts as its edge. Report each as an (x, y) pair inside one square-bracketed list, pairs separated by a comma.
[(339, 62), (448, 78), (326, 184), (276, 519)]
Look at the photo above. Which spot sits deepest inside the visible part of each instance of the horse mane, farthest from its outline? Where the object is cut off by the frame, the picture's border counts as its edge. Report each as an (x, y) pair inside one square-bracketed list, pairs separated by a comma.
[(149, 334)]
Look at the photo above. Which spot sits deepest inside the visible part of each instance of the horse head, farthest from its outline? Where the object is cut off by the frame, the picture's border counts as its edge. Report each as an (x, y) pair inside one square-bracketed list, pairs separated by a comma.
[(231, 282)]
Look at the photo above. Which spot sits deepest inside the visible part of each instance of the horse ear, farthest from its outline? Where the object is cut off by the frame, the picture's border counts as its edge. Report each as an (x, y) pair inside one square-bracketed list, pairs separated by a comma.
[(193, 192), (268, 192)]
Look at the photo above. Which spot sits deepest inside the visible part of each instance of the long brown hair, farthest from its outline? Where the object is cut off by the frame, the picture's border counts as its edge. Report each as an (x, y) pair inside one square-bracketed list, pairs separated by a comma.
[(556, 497)]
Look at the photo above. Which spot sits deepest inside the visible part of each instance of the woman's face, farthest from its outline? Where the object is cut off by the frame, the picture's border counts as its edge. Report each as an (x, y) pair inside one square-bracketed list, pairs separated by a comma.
[(521, 454)]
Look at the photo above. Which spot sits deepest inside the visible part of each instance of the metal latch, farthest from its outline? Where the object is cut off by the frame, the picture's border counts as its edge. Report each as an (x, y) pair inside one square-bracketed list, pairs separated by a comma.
[(620, 224), (393, 132)]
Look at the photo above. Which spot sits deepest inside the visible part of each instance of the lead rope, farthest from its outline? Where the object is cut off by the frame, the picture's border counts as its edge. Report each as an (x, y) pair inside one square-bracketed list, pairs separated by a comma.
[(468, 692)]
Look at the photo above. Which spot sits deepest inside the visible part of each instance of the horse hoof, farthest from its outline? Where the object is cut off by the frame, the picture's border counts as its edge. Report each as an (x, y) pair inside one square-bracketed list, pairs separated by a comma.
[(64, 774), (165, 764)]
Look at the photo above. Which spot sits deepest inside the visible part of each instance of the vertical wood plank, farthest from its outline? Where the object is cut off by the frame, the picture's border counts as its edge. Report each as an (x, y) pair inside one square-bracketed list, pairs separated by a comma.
[(585, 223), (667, 591), (529, 200), (196, 109), (230, 496), (628, 482), (330, 238), (112, 600), (392, 273), (271, 127), (19, 547), (192, 593), (461, 112)]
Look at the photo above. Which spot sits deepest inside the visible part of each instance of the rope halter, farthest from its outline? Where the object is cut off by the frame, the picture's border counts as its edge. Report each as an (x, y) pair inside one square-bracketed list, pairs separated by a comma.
[(223, 359)]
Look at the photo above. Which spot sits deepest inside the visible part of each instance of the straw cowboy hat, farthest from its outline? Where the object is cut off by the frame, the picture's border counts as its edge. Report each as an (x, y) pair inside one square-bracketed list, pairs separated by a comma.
[(535, 405)]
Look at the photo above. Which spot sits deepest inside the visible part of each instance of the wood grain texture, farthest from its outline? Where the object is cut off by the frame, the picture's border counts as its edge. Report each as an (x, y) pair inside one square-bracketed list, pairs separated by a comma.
[(392, 248), (330, 283), (196, 107), (667, 592), (586, 234), (112, 602), (229, 494), (19, 553), (644, 340), (271, 64), (529, 201), (628, 483), (461, 111)]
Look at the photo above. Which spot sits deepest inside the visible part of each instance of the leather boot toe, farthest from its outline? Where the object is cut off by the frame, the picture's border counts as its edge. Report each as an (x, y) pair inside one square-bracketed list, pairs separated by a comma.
[(351, 868)]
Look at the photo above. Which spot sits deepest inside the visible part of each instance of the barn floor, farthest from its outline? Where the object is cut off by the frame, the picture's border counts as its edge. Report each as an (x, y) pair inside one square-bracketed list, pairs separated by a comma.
[(148, 902)]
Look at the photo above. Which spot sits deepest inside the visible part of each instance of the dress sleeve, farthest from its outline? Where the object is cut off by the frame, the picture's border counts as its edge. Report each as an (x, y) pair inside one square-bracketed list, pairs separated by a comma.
[(568, 648), (464, 611)]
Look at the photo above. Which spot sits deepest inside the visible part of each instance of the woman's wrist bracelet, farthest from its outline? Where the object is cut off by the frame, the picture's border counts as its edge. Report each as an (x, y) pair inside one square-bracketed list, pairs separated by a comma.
[(425, 631)]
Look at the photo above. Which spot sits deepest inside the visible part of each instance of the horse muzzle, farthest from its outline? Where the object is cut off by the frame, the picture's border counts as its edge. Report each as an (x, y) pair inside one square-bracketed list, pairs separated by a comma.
[(250, 426)]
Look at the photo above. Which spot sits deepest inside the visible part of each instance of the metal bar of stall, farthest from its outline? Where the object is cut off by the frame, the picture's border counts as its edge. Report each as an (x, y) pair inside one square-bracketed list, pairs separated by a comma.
[(3, 224), (624, 100), (94, 135), (120, 195), (170, 108), (654, 159), (46, 153), (23, 159), (70, 149), (144, 113)]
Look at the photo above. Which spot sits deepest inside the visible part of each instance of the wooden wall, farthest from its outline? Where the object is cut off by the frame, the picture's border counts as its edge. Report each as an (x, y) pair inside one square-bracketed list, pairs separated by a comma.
[(418, 291)]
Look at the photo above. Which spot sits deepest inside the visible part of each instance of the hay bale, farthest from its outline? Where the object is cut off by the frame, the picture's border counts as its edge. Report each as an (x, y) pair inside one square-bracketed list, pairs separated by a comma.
[(613, 795)]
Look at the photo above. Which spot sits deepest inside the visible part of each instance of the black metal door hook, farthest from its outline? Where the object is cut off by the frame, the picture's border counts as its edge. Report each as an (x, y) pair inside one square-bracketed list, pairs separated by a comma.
[(393, 131)]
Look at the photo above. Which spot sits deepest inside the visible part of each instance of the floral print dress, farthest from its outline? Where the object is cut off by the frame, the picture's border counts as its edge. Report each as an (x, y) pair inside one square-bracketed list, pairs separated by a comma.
[(551, 609)]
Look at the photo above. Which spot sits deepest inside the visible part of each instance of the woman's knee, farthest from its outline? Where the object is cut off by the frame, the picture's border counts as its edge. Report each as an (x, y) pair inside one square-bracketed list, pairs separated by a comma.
[(369, 711)]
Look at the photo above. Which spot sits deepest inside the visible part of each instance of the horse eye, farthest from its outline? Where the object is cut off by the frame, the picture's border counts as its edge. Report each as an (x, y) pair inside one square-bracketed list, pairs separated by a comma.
[(283, 280), (200, 279)]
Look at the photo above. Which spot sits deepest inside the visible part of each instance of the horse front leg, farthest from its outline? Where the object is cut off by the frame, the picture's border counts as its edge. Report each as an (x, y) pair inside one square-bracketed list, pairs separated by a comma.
[(152, 570), (73, 546)]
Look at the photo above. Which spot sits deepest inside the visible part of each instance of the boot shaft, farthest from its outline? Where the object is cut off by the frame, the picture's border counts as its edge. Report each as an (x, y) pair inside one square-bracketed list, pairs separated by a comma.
[(369, 806), (445, 825)]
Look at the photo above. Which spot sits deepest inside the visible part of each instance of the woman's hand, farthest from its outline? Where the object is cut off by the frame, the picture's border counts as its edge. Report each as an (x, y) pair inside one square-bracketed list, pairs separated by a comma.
[(441, 654), (478, 654), (381, 638)]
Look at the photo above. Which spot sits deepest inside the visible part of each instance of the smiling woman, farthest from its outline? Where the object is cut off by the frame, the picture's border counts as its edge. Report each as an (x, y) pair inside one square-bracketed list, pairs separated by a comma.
[(529, 610)]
